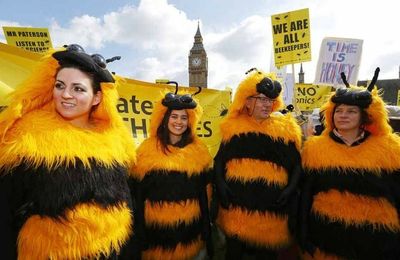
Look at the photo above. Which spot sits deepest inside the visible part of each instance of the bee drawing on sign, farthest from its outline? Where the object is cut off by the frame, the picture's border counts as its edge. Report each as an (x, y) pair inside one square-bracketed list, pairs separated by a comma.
[(215, 111), (223, 111)]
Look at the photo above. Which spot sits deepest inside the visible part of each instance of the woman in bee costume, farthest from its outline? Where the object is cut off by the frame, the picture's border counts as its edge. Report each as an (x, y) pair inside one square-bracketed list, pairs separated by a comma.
[(257, 170), (171, 178), (351, 197), (64, 156)]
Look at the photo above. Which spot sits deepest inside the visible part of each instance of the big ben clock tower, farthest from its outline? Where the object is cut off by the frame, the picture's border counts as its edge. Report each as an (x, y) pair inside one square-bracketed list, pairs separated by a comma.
[(198, 63)]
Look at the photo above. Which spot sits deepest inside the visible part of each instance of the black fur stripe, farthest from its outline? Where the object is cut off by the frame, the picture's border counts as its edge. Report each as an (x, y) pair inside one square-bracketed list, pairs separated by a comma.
[(394, 181), (256, 195), (261, 147), (50, 193), (169, 237), (353, 242), (355, 181), (172, 186)]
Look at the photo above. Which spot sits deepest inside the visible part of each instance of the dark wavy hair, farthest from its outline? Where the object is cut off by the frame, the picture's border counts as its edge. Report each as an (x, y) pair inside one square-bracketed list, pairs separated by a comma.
[(163, 134), (95, 79)]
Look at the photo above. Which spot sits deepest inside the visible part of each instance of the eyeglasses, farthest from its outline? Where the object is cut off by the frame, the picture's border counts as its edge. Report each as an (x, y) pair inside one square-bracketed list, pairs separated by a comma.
[(97, 58), (264, 100)]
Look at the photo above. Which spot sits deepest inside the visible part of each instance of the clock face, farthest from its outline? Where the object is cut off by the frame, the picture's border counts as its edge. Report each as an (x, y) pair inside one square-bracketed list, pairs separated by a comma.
[(196, 62)]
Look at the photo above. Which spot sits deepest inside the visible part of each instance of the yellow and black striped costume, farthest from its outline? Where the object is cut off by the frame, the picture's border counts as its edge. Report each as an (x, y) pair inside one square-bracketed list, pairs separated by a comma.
[(171, 193), (351, 196), (257, 160), (64, 191)]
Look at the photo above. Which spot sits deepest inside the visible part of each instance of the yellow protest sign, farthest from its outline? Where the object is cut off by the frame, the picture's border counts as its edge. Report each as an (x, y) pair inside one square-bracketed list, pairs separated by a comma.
[(291, 37), (136, 101), (30, 39), (309, 96)]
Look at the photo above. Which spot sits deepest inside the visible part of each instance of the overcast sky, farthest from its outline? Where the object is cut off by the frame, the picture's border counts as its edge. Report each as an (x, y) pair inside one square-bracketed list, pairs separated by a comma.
[(154, 37)]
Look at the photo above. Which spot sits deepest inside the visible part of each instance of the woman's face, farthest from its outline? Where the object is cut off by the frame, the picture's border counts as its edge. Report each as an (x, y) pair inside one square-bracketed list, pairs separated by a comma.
[(347, 118), (73, 96), (177, 123)]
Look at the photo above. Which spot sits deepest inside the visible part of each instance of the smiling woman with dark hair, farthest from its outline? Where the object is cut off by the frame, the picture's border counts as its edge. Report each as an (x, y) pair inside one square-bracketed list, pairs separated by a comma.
[(64, 155), (170, 183)]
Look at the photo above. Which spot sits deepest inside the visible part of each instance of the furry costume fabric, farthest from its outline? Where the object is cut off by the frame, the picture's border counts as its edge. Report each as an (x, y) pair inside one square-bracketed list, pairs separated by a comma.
[(171, 191), (64, 189), (257, 160), (351, 195)]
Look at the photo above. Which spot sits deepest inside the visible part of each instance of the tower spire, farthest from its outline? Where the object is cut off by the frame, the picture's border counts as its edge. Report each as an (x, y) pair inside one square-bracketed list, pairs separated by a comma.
[(301, 74), (198, 62), (198, 36)]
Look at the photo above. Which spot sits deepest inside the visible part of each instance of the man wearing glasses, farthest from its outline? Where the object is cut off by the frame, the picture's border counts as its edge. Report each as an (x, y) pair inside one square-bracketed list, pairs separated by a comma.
[(257, 170)]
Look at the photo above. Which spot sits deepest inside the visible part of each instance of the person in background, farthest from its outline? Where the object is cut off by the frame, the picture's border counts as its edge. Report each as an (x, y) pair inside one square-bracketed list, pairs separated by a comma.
[(170, 183), (257, 170), (64, 159), (351, 194)]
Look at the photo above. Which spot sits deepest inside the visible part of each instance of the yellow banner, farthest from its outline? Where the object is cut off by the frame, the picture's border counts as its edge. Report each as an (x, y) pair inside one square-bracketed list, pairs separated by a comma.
[(136, 97), (137, 100), (291, 37), (311, 96), (28, 38), (15, 65)]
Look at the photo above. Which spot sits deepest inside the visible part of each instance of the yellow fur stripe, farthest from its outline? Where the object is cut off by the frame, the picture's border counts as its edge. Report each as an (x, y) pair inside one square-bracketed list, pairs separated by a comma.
[(356, 210), (261, 229), (87, 232), (180, 252), (43, 137), (247, 170), (375, 154), (277, 127), (171, 214), (192, 159)]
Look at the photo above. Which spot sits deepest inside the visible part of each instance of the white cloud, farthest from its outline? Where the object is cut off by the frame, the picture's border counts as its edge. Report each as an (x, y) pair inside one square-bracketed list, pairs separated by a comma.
[(85, 30), (232, 53)]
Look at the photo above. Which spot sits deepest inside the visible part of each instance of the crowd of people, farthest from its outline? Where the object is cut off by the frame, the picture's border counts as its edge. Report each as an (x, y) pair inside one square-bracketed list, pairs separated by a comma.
[(74, 186)]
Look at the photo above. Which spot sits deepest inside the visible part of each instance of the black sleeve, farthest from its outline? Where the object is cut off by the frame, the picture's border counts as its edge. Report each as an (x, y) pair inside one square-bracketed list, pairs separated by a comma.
[(205, 215), (304, 212), (394, 183), (133, 248), (10, 203), (290, 192), (222, 190)]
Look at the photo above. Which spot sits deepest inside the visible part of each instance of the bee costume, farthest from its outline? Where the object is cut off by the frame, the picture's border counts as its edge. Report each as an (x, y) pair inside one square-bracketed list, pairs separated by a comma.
[(171, 196), (351, 196), (64, 191), (257, 171)]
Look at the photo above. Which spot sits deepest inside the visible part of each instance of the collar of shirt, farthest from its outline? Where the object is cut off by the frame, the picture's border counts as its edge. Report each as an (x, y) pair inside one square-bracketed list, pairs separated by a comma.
[(347, 142)]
